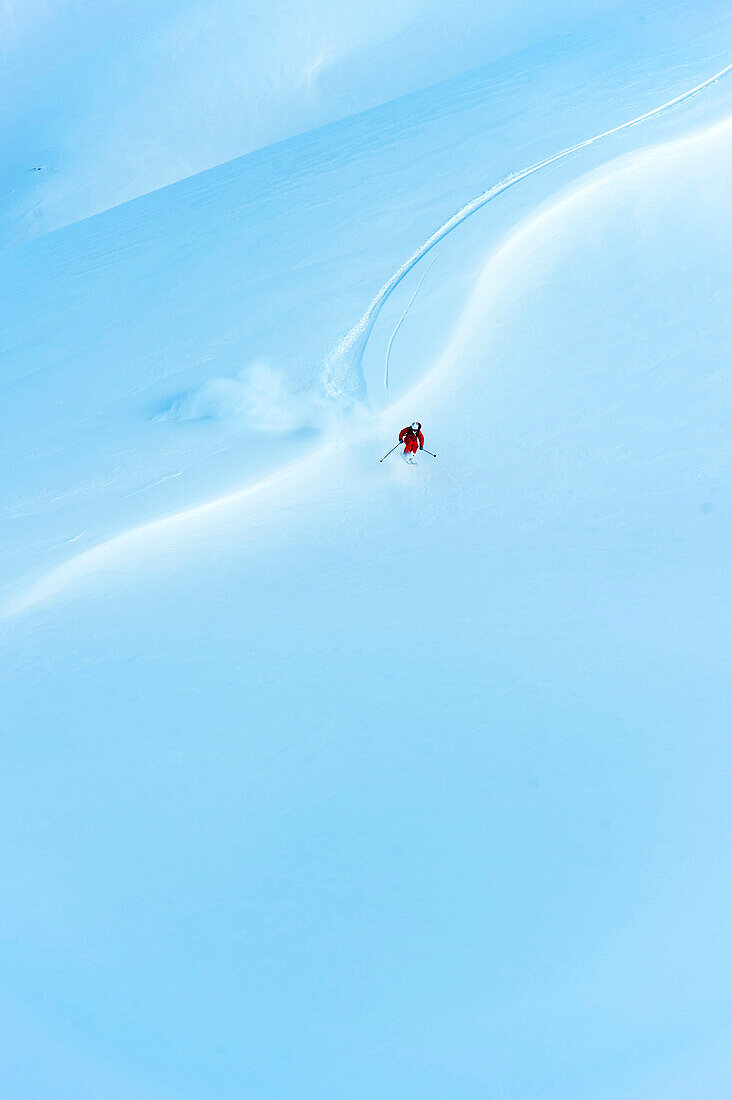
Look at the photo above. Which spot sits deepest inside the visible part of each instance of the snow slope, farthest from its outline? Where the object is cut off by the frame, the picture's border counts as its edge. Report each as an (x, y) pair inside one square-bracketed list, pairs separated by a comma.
[(150, 353), (357, 779), (110, 99)]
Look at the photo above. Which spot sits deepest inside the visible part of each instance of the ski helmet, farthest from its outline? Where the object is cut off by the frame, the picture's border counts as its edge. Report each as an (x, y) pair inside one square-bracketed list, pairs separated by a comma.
[(416, 426)]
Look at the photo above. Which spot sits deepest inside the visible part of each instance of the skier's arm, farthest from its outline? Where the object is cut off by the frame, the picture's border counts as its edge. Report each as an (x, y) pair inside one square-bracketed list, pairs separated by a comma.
[(402, 433), (421, 440)]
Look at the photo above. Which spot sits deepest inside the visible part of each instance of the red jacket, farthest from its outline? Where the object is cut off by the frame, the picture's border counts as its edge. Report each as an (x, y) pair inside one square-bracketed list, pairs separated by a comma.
[(410, 431)]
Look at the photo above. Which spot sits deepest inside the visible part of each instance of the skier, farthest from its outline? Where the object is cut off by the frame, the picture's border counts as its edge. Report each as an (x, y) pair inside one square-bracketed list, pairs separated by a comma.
[(412, 439)]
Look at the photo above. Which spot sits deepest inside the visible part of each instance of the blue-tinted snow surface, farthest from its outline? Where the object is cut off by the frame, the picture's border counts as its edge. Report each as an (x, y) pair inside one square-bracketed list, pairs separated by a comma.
[(324, 777), (109, 99)]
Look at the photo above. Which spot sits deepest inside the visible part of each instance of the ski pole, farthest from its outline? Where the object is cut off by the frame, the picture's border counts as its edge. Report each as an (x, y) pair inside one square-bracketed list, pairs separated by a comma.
[(393, 449), (427, 452)]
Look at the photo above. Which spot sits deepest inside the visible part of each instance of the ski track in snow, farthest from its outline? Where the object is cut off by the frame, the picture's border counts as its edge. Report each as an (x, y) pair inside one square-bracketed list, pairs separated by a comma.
[(400, 322), (349, 351), (95, 558)]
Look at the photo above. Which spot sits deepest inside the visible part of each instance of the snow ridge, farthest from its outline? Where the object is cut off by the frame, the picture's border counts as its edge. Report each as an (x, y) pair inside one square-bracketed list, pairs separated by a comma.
[(345, 361)]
